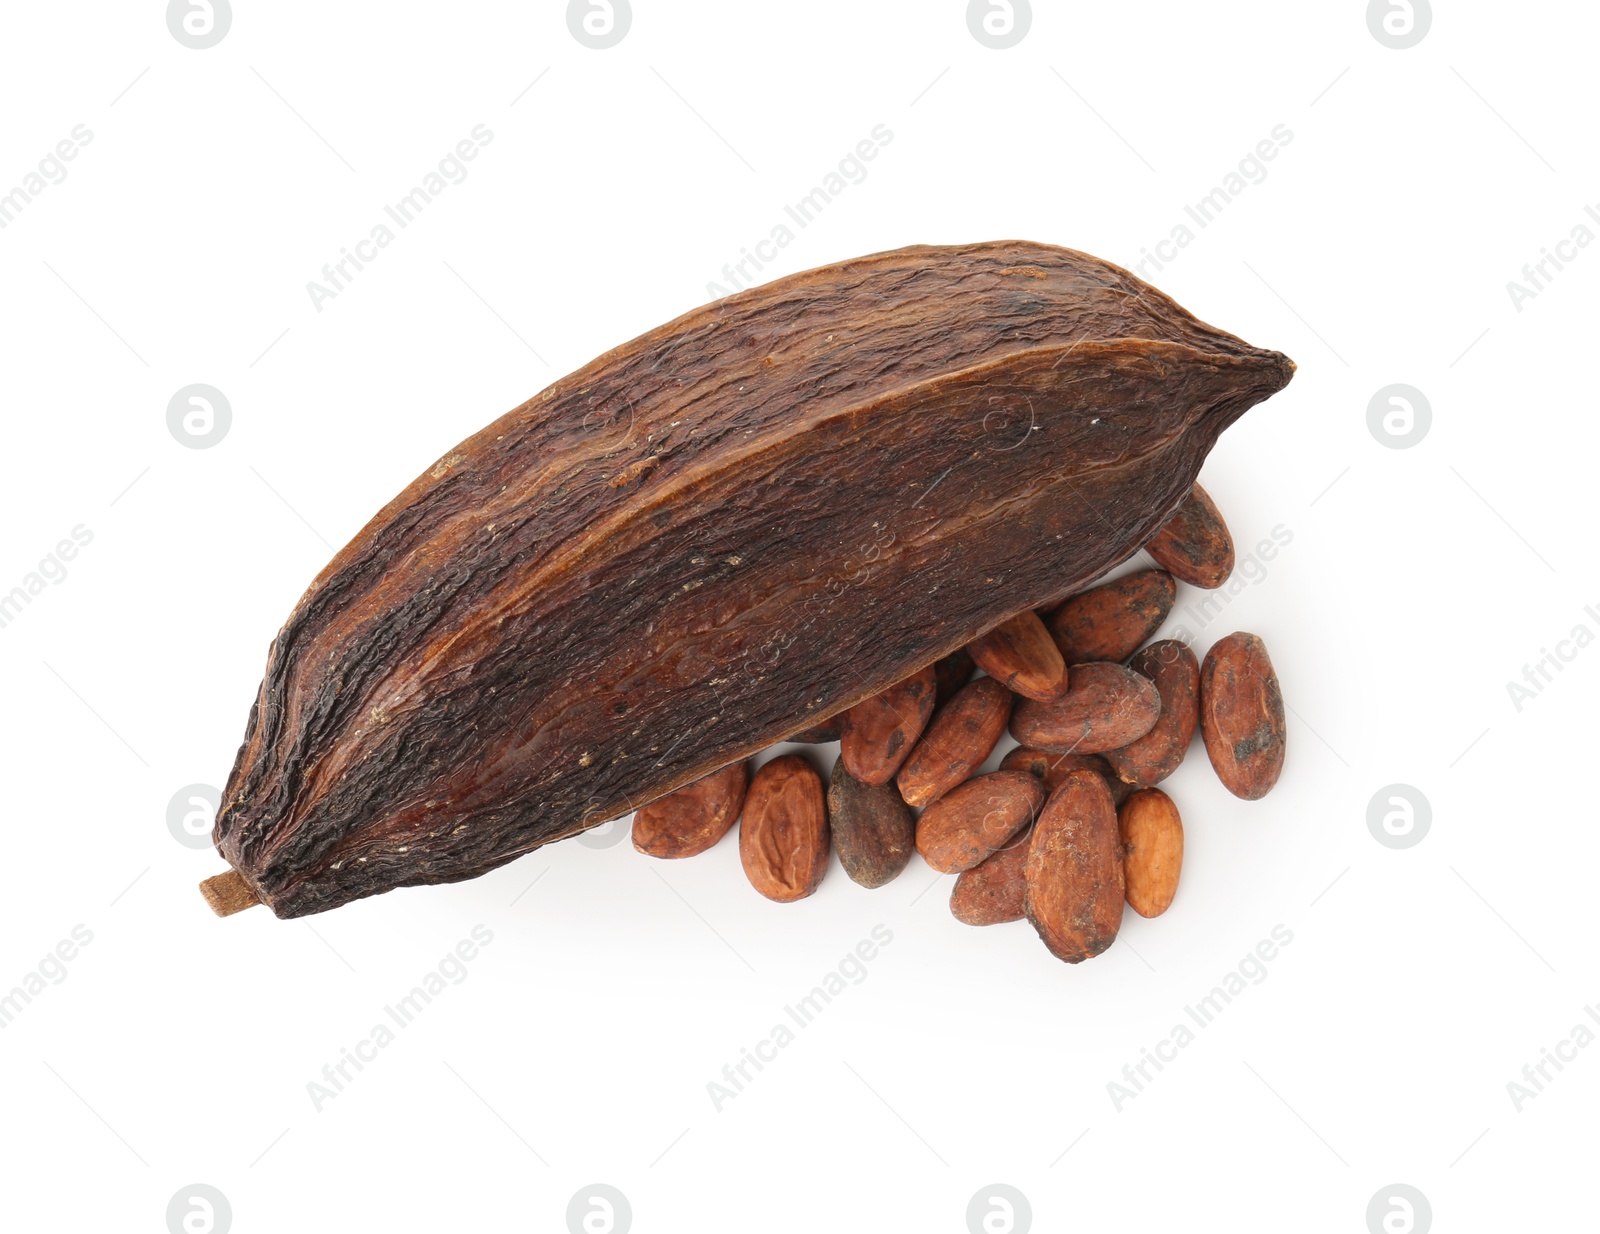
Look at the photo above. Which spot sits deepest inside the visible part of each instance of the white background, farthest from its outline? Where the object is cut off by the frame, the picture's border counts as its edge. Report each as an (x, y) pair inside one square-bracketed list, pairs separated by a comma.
[(1418, 583)]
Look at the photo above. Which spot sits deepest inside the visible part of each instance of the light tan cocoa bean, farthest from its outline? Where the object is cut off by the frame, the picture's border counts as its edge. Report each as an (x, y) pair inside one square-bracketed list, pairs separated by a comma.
[(1152, 850)]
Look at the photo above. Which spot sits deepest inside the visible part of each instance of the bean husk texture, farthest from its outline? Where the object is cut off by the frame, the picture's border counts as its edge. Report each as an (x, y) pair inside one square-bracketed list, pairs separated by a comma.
[(762, 512)]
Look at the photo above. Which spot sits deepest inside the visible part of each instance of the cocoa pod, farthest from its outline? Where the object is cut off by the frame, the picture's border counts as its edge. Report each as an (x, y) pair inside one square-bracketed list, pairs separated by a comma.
[(973, 819), (1073, 883), (953, 672), (873, 831), (806, 490), (820, 734), (992, 891), (962, 735), (1112, 621), (1173, 670), (1107, 707), (691, 820), (1021, 655), (1194, 546), (1241, 715), (1054, 768), (783, 832), (1152, 851), (878, 733)]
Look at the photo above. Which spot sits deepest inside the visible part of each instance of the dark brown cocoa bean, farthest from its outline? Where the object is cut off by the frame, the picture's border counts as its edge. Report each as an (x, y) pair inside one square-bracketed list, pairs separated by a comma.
[(1109, 622), (973, 819), (1241, 715), (691, 820), (820, 734), (1194, 546), (953, 672), (961, 736), (878, 733), (992, 891), (1175, 673), (783, 832), (1073, 878), (873, 831), (1021, 655), (1107, 707)]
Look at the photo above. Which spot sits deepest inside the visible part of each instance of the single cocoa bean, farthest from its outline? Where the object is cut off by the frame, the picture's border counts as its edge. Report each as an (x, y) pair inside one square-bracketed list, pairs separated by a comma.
[(1021, 655), (1171, 666), (1152, 850), (879, 732), (1107, 707), (973, 819), (962, 735), (873, 831), (992, 891), (783, 832), (1241, 715), (1054, 768), (953, 672), (1195, 546), (1109, 622), (1073, 882), (691, 820)]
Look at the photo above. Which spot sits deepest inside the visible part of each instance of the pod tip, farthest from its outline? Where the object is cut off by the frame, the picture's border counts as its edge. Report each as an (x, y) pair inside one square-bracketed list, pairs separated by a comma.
[(228, 893)]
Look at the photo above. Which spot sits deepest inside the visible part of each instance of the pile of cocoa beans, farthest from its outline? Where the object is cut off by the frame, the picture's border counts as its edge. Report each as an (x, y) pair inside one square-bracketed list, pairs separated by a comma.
[(1072, 824)]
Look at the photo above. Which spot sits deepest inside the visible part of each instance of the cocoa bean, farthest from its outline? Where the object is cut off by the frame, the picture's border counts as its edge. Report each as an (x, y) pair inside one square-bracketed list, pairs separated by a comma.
[(992, 891), (691, 820), (873, 831), (961, 736), (1110, 622), (783, 832), (1021, 655), (1194, 546), (1241, 715), (953, 672), (1106, 707), (1054, 768), (1152, 850), (878, 733), (1073, 882), (973, 819), (821, 734), (1175, 673)]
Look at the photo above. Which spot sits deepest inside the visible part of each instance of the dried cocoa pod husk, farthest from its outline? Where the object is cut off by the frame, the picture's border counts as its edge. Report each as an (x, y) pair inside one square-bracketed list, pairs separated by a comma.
[(953, 672), (691, 820), (878, 733), (992, 891), (873, 830), (1175, 672), (820, 734), (1152, 850), (1241, 715), (1054, 768), (1111, 621), (1195, 546), (962, 735), (783, 831), (807, 490), (973, 819), (1107, 707), (1073, 881), (1021, 655)]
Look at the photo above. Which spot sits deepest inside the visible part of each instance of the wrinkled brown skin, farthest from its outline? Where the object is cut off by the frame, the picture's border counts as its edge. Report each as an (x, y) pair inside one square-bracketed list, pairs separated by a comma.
[(1175, 672), (1107, 707), (820, 734), (879, 732), (783, 832), (1241, 716), (992, 891), (1054, 768), (1152, 851), (953, 672), (1021, 655), (1111, 621), (773, 507), (962, 735), (873, 831), (1195, 547), (691, 820), (1073, 883), (973, 819)]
